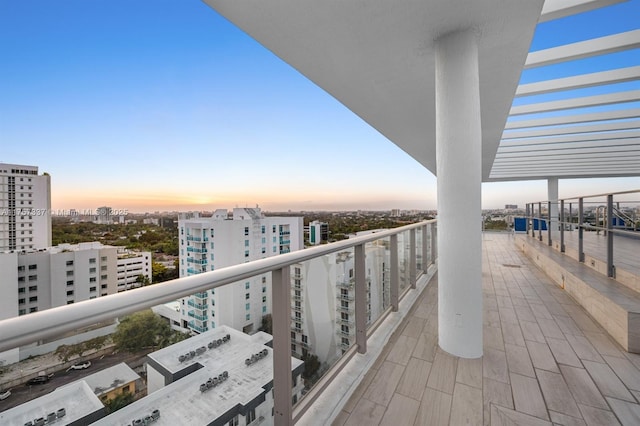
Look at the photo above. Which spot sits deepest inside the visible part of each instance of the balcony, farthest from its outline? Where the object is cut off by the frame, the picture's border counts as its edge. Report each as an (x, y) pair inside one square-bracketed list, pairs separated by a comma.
[(199, 306), (199, 329), (201, 318)]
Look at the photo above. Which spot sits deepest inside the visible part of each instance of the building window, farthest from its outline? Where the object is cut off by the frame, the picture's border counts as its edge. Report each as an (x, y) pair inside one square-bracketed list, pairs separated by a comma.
[(92, 260), (32, 310), (264, 309), (21, 301), (246, 253), (103, 286), (92, 289), (248, 317), (21, 290), (69, 292), (103, 277), (103, 259), (247, 285), (20, 279), (246, 230), (273, 229), (22, 312), (247, 306), (69, 273), (264, 250), (21, 268), (246, 296), (92, 270), (234, 421), (33, 299), (251, 415), (246, 243), (264, 289), (69, 262), (92, 279), (33, 288), (33, 277), (103, 267)]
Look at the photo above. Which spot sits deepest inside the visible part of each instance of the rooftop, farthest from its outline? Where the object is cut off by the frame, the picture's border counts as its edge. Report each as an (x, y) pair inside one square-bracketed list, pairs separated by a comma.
[(110, 378), (77, 399)]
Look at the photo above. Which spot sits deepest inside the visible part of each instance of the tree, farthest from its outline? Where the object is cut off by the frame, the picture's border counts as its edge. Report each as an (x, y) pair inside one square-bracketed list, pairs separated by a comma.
[(120, 401), (311, 366), (143, 280), (145, 330), (158, 271), (267, 324)]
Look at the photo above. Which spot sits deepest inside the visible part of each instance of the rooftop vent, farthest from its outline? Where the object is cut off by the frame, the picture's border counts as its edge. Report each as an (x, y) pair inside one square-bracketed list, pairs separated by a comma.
[(214, 381), (256, 357)]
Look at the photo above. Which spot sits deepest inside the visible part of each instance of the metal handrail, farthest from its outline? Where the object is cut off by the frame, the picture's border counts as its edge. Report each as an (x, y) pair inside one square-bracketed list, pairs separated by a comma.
[(22, 330)]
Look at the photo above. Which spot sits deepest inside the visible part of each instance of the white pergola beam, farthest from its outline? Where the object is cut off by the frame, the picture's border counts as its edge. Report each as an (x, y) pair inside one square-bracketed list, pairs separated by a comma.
[(584, 49), (585, 101), (601, 151), (544, 144), (579, 81), (579, 130), (573, 119), (565, 174), (555, 9)]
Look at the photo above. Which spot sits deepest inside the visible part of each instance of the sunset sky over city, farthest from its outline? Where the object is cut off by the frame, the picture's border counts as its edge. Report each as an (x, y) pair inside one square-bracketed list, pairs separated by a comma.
[(165, 105)]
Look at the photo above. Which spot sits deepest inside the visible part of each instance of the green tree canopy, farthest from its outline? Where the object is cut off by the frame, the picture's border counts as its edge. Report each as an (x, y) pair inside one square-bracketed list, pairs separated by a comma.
[(145, 330)]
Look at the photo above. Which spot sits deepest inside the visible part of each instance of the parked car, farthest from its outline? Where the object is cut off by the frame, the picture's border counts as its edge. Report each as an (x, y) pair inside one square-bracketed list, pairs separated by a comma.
[(39, 380), (80, 366), (5, 395)]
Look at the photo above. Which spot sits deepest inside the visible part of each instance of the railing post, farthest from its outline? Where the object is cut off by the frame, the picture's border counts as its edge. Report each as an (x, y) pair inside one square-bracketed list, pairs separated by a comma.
[(549, 223), (361, 299), (570, 216), (425, 250), (527, 215), (395, 278), (434, 241), (540, 221), (562, 226), (412, 258), (580, 230), (281, 317), (611, 271)]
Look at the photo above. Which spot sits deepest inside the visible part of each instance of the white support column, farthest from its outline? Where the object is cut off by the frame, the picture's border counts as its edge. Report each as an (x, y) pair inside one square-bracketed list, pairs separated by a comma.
[(459, 169), (552, 196)]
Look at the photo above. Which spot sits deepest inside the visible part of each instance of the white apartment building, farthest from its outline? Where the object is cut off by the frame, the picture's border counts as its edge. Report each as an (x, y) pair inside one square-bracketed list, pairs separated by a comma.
[(177, 377), (219, 241), (25, 204), (318, 232), (131, 265), (323, 294)]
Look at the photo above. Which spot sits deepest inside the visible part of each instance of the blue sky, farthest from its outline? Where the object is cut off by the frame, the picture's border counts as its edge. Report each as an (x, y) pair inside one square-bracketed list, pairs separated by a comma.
[(155, 105)]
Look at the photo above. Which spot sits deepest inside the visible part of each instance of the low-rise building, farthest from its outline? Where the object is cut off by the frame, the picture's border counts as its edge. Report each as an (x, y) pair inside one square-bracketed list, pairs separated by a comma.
[(111, 382), (74, 404), (221, 377)]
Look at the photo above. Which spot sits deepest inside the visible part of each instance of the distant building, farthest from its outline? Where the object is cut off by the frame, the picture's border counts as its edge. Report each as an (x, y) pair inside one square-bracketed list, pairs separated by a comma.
[(132, 265), (318, 232), (25, 208), (215, 242), (103, 215), (151, 221), (177, 385), (74, 404), (510, 206)]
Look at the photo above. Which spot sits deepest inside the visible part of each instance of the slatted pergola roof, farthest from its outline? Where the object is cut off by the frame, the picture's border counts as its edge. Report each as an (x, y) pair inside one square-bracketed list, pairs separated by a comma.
[(537, 144)]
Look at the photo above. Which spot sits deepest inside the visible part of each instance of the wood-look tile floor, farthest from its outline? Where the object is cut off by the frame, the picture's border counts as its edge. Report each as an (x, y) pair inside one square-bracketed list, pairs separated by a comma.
[(545, 361)]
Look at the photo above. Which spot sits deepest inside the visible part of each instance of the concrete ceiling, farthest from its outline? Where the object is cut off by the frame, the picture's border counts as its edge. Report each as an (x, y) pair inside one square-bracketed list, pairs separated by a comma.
[(377, 58)]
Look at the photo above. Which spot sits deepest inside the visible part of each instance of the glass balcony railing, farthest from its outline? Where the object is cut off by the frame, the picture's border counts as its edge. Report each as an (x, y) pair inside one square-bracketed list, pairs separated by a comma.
[(383, 266)]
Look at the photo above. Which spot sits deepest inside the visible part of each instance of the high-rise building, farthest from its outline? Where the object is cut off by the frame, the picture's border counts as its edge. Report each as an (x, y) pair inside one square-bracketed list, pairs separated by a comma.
[(322, 300), (25, 204), (219, 241), (134, 268)]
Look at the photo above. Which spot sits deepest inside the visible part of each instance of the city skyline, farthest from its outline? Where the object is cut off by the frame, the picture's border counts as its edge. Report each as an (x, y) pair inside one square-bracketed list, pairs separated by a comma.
[(167, 106)]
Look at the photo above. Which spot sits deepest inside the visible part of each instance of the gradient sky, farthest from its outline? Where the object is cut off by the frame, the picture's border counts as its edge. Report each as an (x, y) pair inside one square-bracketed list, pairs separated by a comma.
[(162, 105)]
